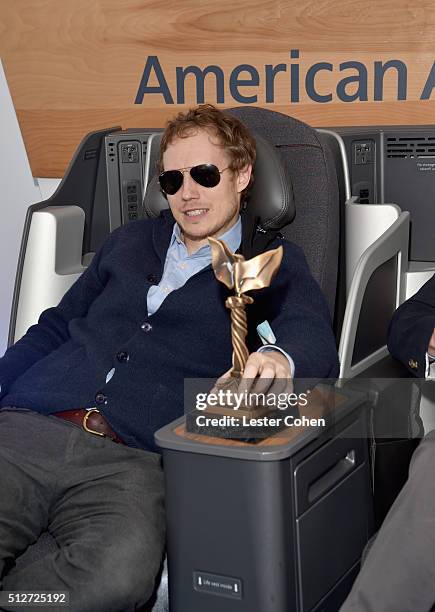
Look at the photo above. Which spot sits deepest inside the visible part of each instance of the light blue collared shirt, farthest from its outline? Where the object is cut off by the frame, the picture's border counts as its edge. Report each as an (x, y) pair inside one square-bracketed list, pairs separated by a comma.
[(180, 266)]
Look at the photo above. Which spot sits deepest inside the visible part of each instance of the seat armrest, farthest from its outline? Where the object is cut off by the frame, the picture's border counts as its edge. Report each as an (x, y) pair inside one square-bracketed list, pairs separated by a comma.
[(392, 243), (51, 263), (365, 223)]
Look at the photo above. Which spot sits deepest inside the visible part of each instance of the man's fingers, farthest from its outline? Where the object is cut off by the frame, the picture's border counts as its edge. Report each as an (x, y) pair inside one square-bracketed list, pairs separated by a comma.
[(262, 369), (266, 377), (264, 372), (252, 369)]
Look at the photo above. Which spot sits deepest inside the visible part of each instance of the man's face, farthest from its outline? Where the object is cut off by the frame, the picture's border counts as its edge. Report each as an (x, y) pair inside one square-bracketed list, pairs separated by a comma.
[(204, 211)]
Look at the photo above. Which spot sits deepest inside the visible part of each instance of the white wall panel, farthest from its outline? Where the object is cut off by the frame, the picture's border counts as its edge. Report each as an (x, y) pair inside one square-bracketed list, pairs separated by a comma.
[(17, 192)]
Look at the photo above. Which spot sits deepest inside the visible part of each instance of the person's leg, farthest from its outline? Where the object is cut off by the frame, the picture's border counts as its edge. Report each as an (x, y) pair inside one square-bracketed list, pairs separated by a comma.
[(108, 521), (27, 481), (399, 572)]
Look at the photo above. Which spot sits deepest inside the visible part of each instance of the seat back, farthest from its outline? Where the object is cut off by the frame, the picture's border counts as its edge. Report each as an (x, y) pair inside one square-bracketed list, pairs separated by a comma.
[(309, 164)]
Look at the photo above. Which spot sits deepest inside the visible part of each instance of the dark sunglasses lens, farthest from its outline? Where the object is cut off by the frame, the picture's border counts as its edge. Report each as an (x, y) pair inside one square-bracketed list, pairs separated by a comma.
[(171, 181), (206, 175)]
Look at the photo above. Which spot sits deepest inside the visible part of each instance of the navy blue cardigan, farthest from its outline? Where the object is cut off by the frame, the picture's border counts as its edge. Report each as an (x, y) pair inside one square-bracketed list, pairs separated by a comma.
[(101, 323)]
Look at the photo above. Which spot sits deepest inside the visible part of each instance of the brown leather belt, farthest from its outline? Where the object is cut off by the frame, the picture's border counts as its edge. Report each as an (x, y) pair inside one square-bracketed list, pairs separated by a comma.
[(92, 421)]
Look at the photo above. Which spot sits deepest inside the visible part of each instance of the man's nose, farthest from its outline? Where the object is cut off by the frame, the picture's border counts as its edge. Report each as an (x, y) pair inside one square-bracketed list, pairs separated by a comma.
[(189, 188)]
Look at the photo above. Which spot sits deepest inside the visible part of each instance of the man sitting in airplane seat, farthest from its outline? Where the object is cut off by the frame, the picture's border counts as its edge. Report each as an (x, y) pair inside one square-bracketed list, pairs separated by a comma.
[(83, 392)]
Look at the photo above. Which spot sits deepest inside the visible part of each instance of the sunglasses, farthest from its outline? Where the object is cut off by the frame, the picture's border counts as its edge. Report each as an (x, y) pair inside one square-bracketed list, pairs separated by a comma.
[(206, 175)]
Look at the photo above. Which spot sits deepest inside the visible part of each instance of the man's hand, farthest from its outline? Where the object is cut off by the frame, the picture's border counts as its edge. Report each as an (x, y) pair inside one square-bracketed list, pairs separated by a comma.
[(268, 371), (431, 349)]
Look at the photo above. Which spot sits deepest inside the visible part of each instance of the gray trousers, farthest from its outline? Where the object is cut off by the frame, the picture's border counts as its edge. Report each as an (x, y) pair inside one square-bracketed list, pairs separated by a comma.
[(399, 572), (101, 501)]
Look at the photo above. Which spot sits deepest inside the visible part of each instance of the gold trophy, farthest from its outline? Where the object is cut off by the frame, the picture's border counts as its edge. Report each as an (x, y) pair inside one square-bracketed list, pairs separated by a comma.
[(241, 275), (236, 273)]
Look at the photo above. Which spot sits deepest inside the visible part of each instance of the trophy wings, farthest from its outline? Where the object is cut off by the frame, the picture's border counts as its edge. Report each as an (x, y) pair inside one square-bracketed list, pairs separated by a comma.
[(232, 269)]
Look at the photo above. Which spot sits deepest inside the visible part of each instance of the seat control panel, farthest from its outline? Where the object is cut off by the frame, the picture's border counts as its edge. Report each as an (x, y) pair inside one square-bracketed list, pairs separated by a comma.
[(128, 169)]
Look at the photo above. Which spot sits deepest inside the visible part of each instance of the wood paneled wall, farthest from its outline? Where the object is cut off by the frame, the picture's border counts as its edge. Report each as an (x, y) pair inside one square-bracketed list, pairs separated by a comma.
[(76, 65)]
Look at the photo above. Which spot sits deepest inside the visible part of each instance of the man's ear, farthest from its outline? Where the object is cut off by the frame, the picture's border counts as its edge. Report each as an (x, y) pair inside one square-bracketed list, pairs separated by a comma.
[(243, 178)]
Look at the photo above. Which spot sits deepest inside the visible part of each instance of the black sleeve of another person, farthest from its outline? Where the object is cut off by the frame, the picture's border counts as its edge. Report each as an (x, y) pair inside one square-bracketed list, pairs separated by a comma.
[(411, 329)]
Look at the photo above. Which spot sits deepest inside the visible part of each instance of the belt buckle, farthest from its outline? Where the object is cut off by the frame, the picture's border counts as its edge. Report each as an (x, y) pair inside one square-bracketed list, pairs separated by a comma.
[(85, 422)]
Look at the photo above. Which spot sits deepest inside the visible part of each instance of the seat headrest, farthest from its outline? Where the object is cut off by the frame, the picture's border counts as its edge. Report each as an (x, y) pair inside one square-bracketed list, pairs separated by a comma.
[(271, 196)]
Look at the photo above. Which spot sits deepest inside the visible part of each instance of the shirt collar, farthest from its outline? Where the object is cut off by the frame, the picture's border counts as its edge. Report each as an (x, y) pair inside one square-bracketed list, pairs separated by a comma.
[(232, 237)]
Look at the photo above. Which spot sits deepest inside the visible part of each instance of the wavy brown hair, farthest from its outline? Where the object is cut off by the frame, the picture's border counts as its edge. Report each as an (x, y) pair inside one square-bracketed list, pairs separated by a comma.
[(231, 134)]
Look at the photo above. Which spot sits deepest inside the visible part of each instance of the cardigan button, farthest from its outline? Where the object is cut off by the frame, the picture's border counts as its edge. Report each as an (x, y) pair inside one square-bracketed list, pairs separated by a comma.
[(122, 357), (100, 398), (153, 278), (146, 327)]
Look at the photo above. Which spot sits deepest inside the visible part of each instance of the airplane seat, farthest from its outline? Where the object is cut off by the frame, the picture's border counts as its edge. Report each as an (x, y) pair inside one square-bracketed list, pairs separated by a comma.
[(319, 202)]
